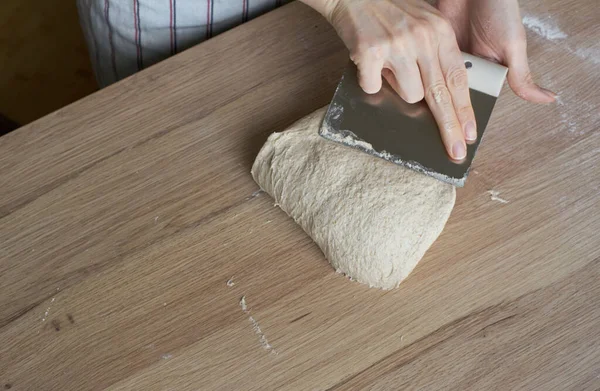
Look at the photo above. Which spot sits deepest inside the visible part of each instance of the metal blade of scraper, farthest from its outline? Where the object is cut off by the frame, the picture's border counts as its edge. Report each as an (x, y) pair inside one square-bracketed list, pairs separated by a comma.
[(384, 125)]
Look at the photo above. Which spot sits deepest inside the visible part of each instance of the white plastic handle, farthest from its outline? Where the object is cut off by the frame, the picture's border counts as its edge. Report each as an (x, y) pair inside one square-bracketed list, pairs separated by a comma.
[(484, 76)]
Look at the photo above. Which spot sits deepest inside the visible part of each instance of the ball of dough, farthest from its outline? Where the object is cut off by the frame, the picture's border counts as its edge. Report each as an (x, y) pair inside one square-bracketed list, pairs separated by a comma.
[(372, 219)]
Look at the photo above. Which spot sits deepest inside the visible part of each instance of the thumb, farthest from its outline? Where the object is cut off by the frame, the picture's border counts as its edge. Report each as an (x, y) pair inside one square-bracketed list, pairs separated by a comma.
[(520, 80)]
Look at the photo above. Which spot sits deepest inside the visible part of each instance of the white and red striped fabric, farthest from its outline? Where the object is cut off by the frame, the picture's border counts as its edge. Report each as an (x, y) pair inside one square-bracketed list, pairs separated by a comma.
[(125, 36)]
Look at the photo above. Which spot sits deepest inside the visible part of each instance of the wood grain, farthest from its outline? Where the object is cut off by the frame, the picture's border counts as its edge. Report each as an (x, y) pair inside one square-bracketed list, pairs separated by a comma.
[(124, 215)]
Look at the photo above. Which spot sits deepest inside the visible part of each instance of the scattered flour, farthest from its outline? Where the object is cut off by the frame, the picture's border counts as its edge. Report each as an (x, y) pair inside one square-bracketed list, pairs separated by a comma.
[(543, 28), (255, 194), (575, 113), (263, 340), (570, 108), (256, 327), (48, 309), (494, 196), (565, 119), (569, 123), (243, 304), (46, 314), (589, 54)]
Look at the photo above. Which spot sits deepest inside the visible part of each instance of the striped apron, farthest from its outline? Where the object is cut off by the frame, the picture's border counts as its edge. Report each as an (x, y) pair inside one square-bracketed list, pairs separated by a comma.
[(125, 36)]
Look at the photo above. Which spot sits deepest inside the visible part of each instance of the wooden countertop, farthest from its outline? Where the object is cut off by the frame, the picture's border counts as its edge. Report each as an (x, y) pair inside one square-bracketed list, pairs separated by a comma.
[(123, 216)]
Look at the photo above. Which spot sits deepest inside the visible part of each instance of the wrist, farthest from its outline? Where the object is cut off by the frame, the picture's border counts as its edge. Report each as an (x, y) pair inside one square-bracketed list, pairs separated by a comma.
[(324, 7)]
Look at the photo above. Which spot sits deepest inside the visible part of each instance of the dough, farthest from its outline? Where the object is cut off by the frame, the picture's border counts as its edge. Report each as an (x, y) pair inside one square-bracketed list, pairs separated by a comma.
[(372, 219)]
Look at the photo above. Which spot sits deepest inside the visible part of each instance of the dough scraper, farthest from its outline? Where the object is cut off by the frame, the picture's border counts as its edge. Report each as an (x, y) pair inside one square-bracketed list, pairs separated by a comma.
[(384, 125)]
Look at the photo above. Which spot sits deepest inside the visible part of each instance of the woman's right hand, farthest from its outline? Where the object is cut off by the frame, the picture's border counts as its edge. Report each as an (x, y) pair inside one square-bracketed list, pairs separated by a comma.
[(414, 47)]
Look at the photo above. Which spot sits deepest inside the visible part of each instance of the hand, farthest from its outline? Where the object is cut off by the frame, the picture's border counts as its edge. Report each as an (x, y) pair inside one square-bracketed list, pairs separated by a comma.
[(414, 47), (493, 29)]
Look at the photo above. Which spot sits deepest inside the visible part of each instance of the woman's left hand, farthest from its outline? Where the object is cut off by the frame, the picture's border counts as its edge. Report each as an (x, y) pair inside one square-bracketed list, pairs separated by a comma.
[(494, 30)]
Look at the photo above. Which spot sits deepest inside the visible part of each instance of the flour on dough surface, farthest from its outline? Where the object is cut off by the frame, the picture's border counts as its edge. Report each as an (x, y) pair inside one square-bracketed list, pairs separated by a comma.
[(372, 219)]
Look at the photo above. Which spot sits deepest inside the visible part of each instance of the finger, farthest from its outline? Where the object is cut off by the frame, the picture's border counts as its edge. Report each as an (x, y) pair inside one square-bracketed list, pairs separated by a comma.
[(391, 79), (369, 67), (412, 110), (405, 79), (519, 77), (440, 103), (455, 75)]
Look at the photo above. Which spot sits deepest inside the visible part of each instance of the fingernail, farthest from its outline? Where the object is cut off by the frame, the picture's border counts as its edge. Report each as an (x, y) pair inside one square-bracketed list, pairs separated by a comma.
[(458, 150), (470, 131), (549, 93)]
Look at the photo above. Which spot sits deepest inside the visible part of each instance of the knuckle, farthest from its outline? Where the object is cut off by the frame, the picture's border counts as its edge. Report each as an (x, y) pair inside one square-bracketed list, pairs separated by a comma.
[(367, 50), (448, 126), (527, 78), (446, 29), (441, 24), (465, 112), (433, 29), (420, 29), (398, 42), (358, 57), (438, 93), (457, 78)]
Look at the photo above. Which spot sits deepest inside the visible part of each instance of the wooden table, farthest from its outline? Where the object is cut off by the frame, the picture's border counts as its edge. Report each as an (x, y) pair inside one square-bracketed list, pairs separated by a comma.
[(124, 215)]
